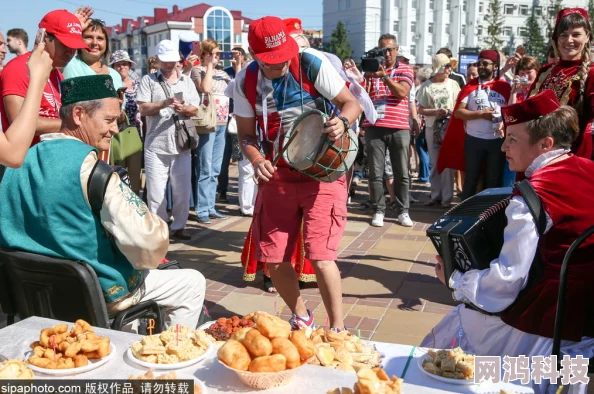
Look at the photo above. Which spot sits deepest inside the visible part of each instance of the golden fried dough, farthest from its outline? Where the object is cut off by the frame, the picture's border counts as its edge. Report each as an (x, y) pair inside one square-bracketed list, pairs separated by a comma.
[(234, 355), (304, 346), (271, 326), (80, 361), (286, 348), (257, 344), (274, 363), (15, 369), (239, 335)]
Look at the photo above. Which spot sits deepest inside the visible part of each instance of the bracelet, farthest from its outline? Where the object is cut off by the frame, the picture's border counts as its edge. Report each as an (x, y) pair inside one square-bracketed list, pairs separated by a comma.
[(257, 160)]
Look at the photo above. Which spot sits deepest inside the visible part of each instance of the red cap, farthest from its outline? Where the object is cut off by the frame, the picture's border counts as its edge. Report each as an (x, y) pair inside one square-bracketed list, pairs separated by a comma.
[(530, 109), (490, 54), (66, 27), (269, 39), (568, 11), (294, 25)]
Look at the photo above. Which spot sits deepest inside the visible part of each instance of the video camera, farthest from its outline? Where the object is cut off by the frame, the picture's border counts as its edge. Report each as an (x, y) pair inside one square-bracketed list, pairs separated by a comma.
[(373, 59)]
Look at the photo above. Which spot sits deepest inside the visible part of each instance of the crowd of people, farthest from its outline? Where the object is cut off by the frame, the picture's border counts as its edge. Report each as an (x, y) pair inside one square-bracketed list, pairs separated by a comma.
[(508, 119)]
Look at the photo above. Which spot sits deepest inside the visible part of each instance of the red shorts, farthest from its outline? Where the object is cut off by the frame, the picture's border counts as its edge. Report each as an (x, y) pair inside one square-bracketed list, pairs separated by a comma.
[(291, 199)]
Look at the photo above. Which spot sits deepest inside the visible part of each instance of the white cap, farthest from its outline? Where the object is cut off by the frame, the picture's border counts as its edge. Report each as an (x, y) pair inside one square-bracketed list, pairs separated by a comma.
[(405, 53), (167, 52)]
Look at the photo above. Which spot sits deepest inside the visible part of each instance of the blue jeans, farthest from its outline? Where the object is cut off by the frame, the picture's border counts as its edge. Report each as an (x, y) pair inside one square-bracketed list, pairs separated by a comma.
[(208, 167), (424, 166)]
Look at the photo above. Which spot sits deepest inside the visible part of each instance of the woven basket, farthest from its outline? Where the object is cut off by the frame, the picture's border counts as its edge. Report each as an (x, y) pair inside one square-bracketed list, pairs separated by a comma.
[(265, 380)]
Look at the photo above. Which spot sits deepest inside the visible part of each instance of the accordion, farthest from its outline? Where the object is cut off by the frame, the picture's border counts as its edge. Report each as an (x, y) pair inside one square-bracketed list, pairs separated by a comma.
[(470, 235)]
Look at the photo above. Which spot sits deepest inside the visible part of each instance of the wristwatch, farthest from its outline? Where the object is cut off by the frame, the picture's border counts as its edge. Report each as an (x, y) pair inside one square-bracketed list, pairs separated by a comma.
[(346, 122), (385, 78)]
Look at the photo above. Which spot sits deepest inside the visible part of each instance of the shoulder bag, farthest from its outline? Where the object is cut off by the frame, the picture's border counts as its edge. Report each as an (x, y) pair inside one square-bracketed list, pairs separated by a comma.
[(206, 119), (186, 137), (126, 143)]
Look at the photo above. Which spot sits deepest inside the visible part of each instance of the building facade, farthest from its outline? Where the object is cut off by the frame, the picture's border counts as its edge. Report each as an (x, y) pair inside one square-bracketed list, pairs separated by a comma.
[(140, 37), (427, 25)]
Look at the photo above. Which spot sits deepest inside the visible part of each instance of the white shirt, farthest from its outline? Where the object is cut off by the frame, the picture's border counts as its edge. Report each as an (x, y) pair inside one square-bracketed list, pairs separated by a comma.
[(478, 100), (497, 287)]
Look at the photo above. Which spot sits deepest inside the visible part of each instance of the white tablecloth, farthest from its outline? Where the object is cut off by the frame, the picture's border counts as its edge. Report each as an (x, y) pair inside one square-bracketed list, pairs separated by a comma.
[(15, 340)]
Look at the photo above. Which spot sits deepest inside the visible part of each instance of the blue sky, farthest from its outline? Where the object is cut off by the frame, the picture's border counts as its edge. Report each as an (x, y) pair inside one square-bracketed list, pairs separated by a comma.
[(26, 14)]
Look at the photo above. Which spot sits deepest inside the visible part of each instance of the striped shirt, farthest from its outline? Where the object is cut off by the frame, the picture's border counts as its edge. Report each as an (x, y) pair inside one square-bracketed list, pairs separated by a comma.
[(397, 113)]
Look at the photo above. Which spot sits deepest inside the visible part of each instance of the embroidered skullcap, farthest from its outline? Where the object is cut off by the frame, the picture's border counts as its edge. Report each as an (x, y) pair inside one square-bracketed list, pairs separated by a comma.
[(294, 25), (565, 12), (530, 109), (90, 87), (490, 54)]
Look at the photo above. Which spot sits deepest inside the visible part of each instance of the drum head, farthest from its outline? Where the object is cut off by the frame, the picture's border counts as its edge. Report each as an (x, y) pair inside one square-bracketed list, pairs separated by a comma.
[(302, 151)]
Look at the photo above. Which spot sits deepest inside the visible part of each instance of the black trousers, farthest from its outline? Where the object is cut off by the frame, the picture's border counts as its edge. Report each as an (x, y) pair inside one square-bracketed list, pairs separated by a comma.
[(481, 153)]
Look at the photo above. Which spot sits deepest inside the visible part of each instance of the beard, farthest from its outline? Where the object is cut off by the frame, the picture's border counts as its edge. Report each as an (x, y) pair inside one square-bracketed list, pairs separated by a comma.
[(485, 74)]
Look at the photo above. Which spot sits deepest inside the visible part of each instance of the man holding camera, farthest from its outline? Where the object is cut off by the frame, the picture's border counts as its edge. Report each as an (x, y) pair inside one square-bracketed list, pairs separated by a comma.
[(389, 89)]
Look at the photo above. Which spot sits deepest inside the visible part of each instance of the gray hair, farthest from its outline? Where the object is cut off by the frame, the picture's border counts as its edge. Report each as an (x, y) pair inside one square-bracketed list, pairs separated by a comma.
[(303, 37), (90, 107), (387, 36), (424, 74)]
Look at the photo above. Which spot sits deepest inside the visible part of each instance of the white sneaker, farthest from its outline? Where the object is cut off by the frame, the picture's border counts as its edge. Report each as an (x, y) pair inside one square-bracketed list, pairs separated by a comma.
[(378, 220), (404, 220)]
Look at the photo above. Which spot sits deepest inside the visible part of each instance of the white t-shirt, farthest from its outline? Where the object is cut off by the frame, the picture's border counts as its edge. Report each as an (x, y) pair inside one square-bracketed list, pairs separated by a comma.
[(478, 100)]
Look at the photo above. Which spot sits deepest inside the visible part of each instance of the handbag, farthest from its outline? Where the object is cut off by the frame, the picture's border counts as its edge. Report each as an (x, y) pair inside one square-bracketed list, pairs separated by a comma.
[(206, 119), (439, 129), (186, 137), (126, 143)]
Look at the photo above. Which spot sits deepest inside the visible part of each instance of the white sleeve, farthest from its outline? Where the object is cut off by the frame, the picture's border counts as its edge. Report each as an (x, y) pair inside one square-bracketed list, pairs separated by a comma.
[(329, 82), (241, 105), (144, 94), (465, 100), (495, 288), (139, 234)]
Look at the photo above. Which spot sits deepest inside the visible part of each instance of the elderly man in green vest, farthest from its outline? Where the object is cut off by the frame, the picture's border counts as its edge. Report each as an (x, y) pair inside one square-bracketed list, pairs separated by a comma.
[(45, 210)]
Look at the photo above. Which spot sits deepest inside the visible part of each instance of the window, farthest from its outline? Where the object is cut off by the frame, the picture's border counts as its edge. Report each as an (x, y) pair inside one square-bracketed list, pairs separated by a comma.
[(218, 27), (463, 29), (448, 4), (481, 5), (396, 3), (464, 6), (479, 31), (341, 5), (430, 50), (448, 28), (508, 9), (523, 10), (396, 26), (431, 4), (413, 26), (522, 31), (348, 4), (507, 31), (413, 49), (415, 4), (538, 11), (430, 28)]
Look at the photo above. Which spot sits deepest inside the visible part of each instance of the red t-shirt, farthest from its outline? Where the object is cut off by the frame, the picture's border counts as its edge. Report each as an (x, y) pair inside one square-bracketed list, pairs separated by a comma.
[(14, 80), (396, 110)]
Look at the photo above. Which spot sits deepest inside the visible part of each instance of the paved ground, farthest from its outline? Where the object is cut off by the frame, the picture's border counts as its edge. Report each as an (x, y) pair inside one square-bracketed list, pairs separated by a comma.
[(390, 290)]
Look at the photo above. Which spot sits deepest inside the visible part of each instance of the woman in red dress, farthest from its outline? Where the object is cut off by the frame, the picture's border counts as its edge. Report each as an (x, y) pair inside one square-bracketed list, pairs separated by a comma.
[(571, 76), (302, 266)]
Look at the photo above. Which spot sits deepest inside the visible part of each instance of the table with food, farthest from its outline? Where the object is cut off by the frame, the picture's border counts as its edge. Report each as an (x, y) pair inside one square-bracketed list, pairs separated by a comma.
[(254, 353)]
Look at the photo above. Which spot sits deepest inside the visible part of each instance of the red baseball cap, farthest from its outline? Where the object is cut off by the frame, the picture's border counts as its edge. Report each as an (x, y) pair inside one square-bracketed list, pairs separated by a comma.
[(66, 27), (270, 40), (294, 25)]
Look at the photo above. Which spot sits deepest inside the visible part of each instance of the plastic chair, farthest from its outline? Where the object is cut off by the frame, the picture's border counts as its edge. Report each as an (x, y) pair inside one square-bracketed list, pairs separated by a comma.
[(561, 297), (37, 285)]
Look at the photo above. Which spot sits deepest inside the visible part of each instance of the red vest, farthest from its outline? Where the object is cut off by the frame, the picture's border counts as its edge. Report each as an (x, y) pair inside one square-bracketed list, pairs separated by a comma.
[(566, 190)]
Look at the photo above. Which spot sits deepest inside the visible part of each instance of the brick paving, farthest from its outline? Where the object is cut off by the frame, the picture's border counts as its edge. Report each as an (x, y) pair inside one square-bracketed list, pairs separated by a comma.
[(390, 292)]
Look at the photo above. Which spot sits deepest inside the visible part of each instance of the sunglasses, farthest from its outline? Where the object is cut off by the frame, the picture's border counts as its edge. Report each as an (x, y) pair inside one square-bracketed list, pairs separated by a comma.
[(484, 64)]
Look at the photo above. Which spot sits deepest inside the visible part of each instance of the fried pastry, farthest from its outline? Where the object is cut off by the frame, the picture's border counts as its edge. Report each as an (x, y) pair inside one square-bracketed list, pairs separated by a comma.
[(286, 348), (271, 326), (234, 355), (15, 369), (257, 344), (305, 347), (274, 363)]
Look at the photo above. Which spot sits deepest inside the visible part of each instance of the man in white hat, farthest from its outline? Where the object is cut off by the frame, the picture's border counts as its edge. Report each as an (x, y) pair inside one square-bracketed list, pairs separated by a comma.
[(163, 159), (405, 56)]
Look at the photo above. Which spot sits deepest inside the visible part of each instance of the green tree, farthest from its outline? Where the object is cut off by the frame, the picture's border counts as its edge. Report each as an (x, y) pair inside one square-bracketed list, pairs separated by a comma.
[(494, 20), (591, 11), (551, 15), (534, 42), (339, 43)]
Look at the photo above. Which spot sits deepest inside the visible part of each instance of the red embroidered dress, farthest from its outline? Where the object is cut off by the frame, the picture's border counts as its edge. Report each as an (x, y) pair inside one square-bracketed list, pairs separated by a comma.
[(563, 79)]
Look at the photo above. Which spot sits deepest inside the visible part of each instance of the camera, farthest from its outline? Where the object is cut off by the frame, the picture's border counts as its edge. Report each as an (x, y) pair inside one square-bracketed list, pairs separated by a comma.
[(523, 80), (373, 59)]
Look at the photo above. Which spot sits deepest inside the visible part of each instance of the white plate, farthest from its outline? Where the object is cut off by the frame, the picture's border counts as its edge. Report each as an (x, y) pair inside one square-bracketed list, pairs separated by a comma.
[(170, 366), (93, 364), (206, 325), (461, 382)]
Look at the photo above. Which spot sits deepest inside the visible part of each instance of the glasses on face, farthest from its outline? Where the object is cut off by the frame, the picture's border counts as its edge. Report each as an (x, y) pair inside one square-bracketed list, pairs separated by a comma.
[(484, 64), (388, 49)]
